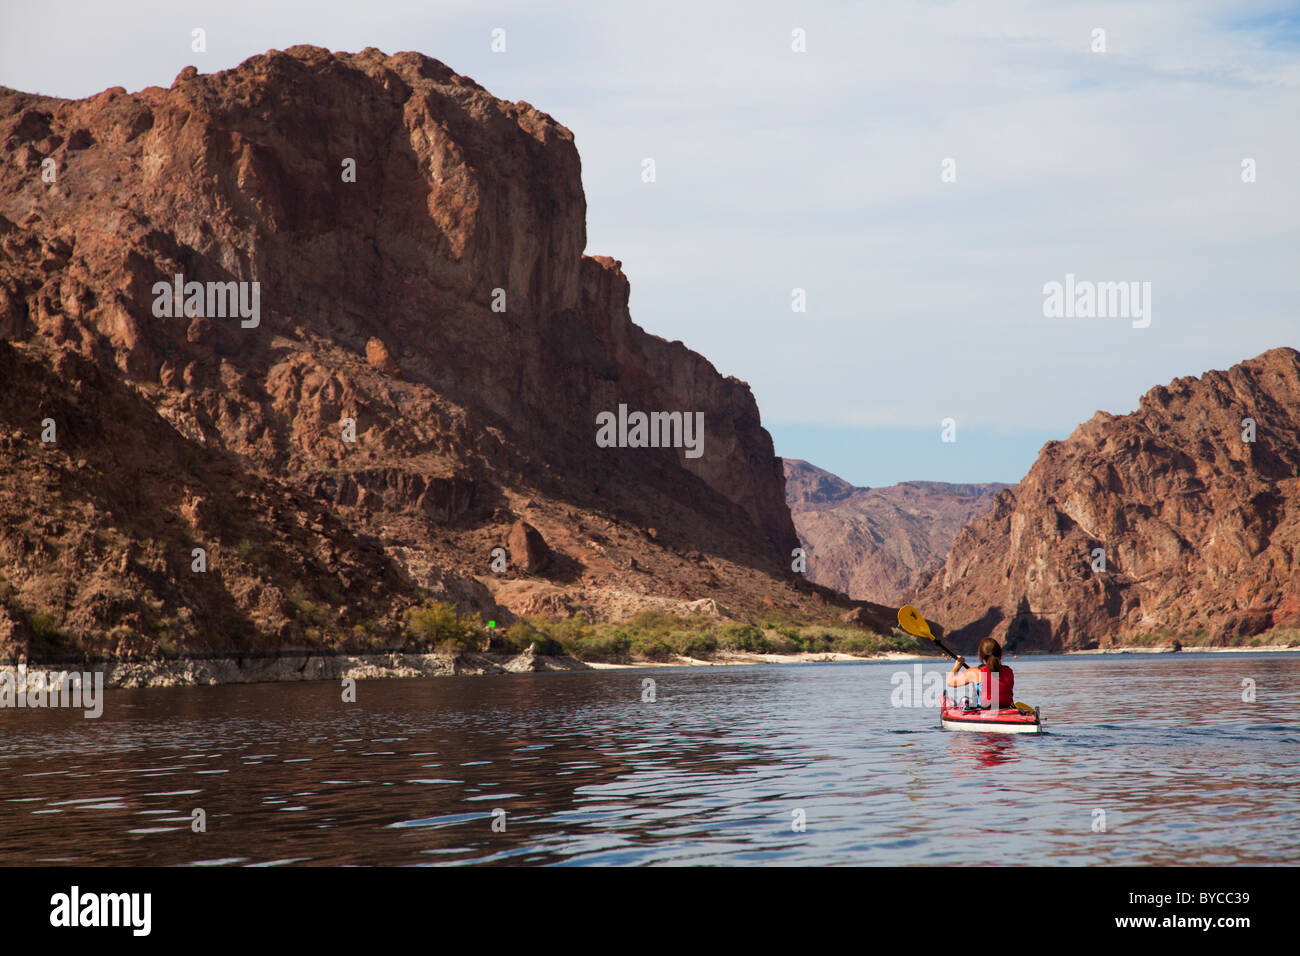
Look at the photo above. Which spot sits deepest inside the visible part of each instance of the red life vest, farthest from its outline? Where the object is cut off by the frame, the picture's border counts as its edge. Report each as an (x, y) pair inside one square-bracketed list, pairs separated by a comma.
[(1004, 687)]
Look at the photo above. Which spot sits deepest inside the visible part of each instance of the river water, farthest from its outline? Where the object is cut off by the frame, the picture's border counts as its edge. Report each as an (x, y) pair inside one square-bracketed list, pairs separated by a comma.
[(1147, 759)]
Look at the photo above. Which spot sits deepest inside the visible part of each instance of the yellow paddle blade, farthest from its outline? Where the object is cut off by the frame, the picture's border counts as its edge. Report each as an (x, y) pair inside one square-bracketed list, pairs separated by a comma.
[(1021, 705), (910, 620)]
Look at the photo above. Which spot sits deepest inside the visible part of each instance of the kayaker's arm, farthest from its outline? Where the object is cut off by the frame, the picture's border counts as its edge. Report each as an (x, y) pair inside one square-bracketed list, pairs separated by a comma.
[(957, 678)]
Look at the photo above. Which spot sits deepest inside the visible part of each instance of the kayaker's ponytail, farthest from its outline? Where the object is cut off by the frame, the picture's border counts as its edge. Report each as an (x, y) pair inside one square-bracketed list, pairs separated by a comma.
[(990, 653)]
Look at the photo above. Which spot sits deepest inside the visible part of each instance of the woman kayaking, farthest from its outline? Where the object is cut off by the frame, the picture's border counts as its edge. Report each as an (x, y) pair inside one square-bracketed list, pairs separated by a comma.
[(994, 692), (1009, 718)]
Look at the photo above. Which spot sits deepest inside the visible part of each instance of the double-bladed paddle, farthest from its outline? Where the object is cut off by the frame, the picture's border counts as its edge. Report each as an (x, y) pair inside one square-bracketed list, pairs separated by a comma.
[(910, 620)]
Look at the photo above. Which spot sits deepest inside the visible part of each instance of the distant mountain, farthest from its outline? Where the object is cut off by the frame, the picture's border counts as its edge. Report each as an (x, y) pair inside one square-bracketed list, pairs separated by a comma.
[(1199, 526), (871, 543)]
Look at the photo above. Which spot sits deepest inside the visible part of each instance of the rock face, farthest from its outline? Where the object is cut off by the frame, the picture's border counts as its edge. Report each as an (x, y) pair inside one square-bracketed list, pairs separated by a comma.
[(373, 215), (1199, 529), (527, 547), (872, 543), (377, 354)]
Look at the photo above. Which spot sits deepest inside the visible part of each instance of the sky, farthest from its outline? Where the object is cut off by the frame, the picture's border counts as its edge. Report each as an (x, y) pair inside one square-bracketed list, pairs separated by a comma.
[(921, 171)]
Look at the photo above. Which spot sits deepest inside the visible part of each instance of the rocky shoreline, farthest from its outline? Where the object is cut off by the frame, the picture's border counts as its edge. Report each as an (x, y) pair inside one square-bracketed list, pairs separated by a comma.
[(200, 672), (191, 672)]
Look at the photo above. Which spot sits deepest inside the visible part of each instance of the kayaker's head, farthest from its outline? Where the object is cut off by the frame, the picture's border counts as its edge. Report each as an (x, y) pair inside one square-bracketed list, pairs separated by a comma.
[(990, 652)]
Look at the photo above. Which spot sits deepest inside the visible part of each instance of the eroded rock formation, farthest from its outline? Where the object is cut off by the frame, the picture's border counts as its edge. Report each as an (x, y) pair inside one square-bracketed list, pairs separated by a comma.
[(1199, 528), (423, 366)]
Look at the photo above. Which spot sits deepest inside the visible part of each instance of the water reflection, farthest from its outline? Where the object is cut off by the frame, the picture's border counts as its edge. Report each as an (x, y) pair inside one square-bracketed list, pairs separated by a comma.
[(725, 766), (993, 750)]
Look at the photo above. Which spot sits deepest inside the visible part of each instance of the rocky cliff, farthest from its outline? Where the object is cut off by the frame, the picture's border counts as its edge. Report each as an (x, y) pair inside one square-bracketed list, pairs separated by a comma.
[(1182, 518), (872, 543), (404, 357)]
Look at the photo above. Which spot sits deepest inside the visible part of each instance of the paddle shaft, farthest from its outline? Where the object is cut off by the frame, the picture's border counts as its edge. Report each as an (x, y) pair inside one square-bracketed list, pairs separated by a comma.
[(943, 647)]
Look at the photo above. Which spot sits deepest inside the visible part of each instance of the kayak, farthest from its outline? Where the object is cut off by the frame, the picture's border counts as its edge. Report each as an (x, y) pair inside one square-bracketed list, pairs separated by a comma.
[(1007, 720), (959, 716)]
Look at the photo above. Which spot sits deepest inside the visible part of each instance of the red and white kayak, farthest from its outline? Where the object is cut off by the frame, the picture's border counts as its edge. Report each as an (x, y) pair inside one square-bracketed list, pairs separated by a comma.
[(1008, 720)]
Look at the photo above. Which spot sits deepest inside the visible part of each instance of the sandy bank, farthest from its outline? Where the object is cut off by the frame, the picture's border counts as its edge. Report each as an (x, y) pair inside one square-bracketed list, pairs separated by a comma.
[(740, 657)]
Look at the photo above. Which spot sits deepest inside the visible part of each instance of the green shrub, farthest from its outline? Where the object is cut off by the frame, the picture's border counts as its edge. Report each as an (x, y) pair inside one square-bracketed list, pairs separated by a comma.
[(518, 636), (780, 644), (1289, 636), (692, 643), (857, 644), (45, 627), (659, 636), (612, 645), (744, 637), (655, 622), (311, 612), (656, 651), (440, 626), (816, 641)]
